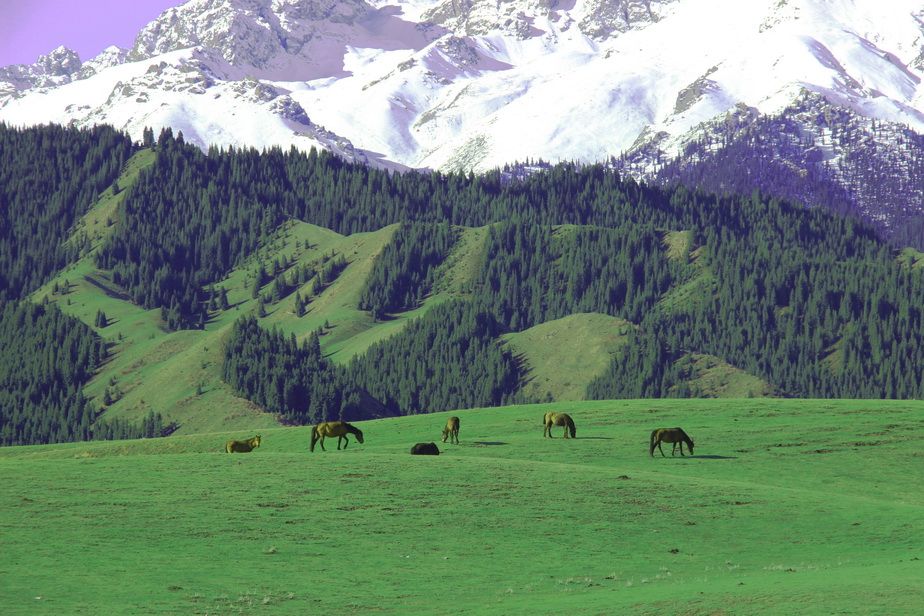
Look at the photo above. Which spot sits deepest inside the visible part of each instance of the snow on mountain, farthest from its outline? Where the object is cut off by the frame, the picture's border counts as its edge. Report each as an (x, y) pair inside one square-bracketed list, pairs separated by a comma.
[(476, 84)]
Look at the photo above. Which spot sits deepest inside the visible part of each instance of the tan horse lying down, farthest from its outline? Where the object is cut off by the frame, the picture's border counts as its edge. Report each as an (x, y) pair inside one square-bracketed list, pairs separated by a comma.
[(558, 419), (243, 446), (451, 431), (340, 429), (670, 435)]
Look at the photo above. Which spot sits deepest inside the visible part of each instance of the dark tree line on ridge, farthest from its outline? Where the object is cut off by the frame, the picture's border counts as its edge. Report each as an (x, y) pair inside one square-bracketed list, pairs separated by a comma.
[(813, 303), (49, 177), (450, 360)]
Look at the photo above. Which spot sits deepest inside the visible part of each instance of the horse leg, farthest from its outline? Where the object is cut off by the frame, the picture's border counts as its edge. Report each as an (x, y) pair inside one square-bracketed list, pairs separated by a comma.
[(322, 443), (661, 450)]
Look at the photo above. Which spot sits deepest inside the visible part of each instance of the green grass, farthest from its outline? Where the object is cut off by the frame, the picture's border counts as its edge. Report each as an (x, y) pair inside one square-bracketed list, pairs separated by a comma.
[(563, 356), (788, 507), (714, 378)]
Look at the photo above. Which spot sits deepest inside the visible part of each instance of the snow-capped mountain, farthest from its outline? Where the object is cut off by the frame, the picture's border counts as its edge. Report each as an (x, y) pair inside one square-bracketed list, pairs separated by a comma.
[(476, 84)]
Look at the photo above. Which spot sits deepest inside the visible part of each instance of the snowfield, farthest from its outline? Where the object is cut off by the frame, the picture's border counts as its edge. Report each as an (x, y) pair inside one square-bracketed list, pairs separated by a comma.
[(474, 85)]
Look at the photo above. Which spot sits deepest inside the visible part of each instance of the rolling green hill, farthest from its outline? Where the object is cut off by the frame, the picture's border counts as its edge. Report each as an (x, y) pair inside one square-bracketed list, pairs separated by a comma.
[(572, 284), (787, 506)]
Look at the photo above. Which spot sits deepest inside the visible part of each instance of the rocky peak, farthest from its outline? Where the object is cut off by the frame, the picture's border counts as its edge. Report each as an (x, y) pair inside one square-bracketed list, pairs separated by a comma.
[(597, 19), (60, 62), (252, 33)]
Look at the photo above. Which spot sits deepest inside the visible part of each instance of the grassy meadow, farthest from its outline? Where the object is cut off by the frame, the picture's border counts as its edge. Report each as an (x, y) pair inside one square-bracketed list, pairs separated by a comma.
[(787, 507)]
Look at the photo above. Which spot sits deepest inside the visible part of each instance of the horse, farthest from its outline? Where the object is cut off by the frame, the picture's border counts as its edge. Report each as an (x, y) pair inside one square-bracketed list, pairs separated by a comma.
[(340, 429), (670, 435), (425, 449), (451, 431), (243, 446), (558, 419)]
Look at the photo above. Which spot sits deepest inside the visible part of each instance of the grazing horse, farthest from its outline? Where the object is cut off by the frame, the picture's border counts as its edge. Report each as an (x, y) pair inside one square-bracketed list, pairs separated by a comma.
[(425, 449), (243, 446), (670, 435), (451, 431), (340, 429), (558, 419)]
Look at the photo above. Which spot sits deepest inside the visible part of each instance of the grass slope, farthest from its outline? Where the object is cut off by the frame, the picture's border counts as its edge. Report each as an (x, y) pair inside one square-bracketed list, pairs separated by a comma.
[(713, 378), (789, 507), (564, 355)]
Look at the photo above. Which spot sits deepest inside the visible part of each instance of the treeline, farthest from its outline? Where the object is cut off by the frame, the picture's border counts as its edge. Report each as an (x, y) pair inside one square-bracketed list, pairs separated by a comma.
[(533, 274), (49, 178), (813, 303), (281, 375), (406, 270), (447, 359), (41, 382), (193, 216), (775, 267), (49, 358)]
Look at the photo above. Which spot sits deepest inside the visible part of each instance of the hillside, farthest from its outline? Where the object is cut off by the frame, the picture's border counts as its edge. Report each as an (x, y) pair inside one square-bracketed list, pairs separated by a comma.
[(788, 506), (364, 294)]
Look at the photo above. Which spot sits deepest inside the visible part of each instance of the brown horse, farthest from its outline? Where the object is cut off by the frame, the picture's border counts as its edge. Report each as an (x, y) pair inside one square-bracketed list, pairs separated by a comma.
[(340, 429), (451, 431), (558, 419), (670, 435), (243, 446)]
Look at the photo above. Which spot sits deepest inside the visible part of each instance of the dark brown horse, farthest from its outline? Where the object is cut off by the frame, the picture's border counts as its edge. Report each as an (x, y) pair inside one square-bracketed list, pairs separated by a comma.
[(558, 419), (425, 449), (340, 429), (670, 435), (451, 431), (243, 446)]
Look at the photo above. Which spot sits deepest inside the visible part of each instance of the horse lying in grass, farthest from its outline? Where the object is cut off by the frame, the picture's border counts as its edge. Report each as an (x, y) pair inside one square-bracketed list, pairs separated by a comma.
[(558, 419), (425, 449), (340, 429), (243, 446), (670, 435), (451, 431)]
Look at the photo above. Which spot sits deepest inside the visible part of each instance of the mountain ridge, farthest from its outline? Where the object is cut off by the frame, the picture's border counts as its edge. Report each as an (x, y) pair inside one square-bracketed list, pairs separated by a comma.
[(476, 85)]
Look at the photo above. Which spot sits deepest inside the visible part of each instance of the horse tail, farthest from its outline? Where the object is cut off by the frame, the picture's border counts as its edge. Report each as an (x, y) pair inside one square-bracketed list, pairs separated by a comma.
[(314, 436), (228, 446), (654, 434), (571, 427)]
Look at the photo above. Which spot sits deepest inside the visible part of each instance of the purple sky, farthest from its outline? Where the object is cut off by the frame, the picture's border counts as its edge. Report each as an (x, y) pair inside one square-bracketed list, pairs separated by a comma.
[(29, 28)]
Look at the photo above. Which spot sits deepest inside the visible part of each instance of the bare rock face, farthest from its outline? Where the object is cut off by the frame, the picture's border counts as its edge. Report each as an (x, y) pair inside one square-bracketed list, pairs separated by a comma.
[(254, 33), (598, 19), (605, 18), (52, 69)]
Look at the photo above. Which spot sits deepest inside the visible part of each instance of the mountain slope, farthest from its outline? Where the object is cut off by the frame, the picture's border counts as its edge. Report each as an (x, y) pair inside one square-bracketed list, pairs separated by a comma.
[(725, 295), (477, 85)]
